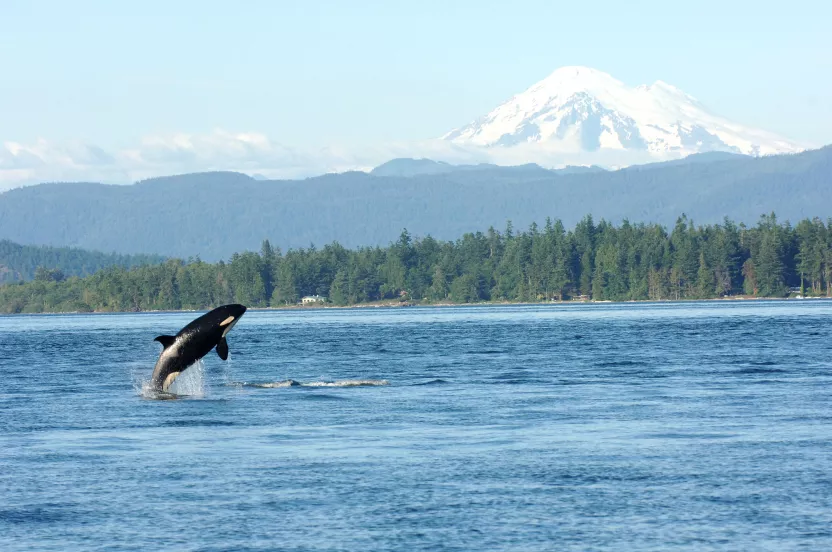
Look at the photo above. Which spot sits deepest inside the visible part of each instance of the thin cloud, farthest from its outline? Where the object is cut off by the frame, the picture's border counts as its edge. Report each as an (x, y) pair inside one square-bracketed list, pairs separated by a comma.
[(255, 153)]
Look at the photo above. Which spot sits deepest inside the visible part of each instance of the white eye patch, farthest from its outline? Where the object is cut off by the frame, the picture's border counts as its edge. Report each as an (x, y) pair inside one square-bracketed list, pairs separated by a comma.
[(227, 321)]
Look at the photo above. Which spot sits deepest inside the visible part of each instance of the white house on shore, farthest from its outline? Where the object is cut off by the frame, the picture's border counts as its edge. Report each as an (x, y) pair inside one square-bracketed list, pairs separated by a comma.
[(312, 299)]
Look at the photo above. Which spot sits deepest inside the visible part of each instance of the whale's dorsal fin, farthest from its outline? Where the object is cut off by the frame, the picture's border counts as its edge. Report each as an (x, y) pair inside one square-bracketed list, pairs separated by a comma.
[(222, 349), (165, 340)]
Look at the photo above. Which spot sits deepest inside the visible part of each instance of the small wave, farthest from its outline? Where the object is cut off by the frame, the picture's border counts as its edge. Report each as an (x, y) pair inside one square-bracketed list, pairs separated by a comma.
[(760, 371), (576, 382), (762, 363), (510, 376), (672, 435), (293, 383), (433, 382), (197, 423), (616, 363), (321, 397), (49, 513)]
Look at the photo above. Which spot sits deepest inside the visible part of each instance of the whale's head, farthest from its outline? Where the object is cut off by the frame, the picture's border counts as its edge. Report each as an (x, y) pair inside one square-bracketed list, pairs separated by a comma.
[(226, 316)]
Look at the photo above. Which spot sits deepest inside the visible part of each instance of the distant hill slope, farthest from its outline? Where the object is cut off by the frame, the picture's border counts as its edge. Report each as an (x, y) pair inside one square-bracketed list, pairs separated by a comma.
[(216, 214), (412, 167), (19, 262), (407, 167)]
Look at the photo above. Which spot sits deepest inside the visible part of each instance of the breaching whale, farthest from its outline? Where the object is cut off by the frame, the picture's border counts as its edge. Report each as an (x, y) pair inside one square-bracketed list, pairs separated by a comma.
[(193, 342)]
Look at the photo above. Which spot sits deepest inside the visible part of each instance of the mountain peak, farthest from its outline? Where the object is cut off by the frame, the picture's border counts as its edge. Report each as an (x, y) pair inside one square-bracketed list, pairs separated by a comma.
[(582, 109), (567, 81)]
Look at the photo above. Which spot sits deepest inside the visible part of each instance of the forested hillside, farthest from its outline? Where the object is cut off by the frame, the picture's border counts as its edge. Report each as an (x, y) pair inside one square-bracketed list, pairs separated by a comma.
[(406, 167), (600, 260), (21, 262), (213, 215)]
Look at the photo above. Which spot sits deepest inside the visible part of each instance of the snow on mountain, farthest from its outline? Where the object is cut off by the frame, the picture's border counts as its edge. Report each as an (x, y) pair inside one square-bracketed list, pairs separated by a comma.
[(582, 109)]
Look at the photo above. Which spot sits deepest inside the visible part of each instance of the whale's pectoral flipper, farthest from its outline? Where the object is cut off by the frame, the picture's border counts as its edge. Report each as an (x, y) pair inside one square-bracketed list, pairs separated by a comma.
[(165, 340), (222, 349)]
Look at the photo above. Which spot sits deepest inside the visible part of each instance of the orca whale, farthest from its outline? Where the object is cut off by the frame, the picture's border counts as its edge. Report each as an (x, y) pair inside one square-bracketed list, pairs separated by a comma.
[(193, 342)]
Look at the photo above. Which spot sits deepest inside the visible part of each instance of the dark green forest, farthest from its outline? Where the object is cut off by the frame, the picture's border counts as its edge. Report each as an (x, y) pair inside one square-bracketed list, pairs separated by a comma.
[(598, 261), (20, 262)]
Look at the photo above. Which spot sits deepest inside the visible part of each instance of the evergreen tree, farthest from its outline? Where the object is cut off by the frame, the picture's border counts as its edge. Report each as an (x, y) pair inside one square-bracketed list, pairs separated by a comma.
[(704, 279), (439, 286), (339, 290), (285, 290), (749, 273)]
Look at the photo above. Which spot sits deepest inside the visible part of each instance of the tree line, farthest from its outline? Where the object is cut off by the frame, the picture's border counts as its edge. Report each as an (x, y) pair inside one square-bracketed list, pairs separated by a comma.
[(598, 261), (21, 262)]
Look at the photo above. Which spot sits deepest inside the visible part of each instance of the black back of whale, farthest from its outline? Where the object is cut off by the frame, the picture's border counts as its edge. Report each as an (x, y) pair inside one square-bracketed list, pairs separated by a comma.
[(194, 341)]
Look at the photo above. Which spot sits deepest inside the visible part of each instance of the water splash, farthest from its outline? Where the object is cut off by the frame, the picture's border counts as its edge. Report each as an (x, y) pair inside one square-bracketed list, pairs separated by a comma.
[(190, 383), (293, 383), (346, 383), (273, 384)]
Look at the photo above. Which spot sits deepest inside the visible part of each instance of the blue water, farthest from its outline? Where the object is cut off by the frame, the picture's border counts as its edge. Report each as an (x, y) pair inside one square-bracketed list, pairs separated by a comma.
[(657, 426)]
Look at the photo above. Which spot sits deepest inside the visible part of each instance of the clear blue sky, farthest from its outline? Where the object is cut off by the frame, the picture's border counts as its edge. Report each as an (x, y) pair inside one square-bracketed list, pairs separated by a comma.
[(313, 73)]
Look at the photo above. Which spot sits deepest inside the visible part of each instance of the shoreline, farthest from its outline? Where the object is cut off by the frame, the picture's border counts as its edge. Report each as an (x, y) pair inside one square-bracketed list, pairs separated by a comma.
[(445, 304)]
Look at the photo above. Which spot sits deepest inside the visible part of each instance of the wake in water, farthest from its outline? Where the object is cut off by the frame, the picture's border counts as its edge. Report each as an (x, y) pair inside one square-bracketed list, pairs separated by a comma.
[(293, 383), (190, 383)]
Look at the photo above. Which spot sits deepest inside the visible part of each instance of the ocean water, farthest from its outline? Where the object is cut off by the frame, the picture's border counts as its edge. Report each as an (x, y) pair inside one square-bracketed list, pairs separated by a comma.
[(692, 426)]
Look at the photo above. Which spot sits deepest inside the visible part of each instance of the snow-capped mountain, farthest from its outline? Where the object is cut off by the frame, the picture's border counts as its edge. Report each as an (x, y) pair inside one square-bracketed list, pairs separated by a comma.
[(582, 109)]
